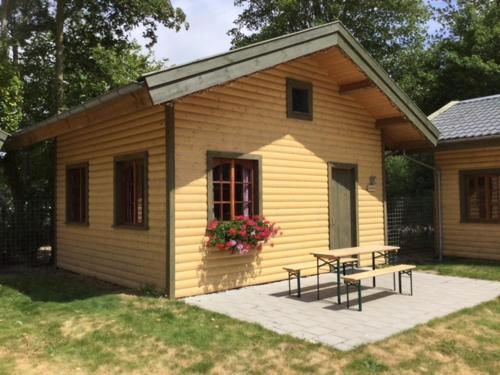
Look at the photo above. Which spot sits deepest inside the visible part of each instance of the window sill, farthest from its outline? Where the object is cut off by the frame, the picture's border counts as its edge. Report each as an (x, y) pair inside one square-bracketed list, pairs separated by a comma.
[(76, 224), (130, 226), (300, 116), (479, 222)]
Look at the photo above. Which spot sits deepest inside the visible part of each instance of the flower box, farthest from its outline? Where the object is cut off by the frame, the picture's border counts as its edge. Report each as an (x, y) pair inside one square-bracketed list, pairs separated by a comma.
[(241, 235)]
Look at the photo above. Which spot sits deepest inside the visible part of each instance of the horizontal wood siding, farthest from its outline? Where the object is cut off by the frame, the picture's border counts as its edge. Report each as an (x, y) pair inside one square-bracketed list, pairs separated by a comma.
[(466, 239), (249, 116), (127, 257)]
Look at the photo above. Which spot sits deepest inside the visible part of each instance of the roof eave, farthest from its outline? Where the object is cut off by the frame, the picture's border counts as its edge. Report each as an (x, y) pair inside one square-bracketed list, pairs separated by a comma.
[(469, 142)]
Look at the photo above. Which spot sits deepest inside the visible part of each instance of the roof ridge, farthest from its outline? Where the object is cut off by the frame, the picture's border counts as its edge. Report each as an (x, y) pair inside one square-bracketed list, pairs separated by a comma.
[(480, 98), (231, 51), (442, 110)]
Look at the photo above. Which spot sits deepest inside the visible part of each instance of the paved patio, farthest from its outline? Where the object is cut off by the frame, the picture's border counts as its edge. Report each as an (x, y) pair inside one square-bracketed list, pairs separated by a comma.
[(384, 312)]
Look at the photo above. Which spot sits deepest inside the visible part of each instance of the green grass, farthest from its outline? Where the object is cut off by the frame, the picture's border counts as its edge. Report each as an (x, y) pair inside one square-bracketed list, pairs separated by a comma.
[(54, 322), (476, 269)]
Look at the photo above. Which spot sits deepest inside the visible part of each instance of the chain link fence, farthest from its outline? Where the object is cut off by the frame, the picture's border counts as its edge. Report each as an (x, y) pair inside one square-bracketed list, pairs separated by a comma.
[(25, 230), (410, 222)]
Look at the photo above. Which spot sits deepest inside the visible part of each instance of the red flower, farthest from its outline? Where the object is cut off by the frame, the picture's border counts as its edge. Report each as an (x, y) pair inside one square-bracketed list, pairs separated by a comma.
[(213, 225), (241, 234)]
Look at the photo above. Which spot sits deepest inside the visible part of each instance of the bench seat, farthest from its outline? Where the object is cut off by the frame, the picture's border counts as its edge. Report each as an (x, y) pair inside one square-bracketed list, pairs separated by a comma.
[(355, 278), (378, 272)]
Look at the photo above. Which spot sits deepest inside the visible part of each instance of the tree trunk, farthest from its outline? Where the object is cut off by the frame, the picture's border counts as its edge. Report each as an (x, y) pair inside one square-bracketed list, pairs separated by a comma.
[(59, 69), (4, 22)]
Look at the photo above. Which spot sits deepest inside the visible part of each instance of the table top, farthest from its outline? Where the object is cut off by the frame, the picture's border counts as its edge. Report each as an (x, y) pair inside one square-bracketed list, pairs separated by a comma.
[(350, 251)]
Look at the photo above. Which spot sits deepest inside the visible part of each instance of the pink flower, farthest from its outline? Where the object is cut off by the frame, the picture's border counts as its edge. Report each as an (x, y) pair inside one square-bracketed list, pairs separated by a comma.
[(230, 243), (251, 222), (213, 225), (233, 232), (221, 246)]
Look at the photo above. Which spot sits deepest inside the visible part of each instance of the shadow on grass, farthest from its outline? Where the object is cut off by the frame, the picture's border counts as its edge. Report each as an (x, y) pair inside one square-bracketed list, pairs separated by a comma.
[(48, 284)]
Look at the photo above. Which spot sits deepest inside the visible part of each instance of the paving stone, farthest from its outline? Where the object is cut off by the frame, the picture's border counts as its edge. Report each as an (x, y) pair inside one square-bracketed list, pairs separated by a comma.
[(384, 314)]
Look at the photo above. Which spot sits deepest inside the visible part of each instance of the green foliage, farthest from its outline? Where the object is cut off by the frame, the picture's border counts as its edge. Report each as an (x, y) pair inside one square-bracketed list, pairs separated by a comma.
[(98, 53), (463, 60), (111, 68), (10, 98), (366, 365), (405, 177), (98, 56), (387, 29)]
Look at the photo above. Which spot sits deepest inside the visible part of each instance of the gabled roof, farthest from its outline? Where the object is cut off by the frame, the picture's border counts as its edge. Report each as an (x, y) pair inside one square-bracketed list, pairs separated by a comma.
[(178, 81), (477, 118), (3, 138)]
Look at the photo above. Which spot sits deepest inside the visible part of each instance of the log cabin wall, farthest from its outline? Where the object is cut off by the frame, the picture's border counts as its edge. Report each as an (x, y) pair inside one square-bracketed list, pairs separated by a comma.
[(470, 240), (129, 257), (249, 116)]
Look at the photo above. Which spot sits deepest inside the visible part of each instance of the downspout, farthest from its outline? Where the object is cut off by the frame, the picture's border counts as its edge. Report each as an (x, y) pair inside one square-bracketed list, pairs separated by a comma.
[(437, 179)]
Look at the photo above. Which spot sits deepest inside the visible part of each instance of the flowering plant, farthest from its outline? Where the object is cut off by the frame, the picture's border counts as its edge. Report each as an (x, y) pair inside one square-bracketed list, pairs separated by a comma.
[(242, 234)]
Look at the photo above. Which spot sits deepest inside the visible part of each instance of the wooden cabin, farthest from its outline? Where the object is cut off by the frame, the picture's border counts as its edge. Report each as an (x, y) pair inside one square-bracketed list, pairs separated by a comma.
[(307, 115), (468, 157)]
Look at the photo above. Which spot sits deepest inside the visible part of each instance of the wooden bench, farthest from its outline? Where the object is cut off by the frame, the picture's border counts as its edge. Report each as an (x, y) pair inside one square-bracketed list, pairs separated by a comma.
[(294, 270), (355, 278)]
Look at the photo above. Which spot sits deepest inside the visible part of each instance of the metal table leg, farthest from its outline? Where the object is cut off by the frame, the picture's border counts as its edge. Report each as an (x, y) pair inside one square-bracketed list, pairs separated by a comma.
[(373, 267), (400, 286), (359, 295), (338, 282), (298, 284), (411, 283), (317, 278)]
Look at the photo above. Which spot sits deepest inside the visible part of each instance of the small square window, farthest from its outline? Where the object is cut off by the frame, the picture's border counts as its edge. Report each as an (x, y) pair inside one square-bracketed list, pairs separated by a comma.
[(299, 100)]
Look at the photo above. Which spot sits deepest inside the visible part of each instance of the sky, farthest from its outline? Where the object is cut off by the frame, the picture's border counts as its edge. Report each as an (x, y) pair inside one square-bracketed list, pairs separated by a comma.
[(209, 22)]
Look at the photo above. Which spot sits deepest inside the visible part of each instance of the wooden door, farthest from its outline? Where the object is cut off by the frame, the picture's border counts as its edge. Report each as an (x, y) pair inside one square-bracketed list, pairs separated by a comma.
[(343, 211)]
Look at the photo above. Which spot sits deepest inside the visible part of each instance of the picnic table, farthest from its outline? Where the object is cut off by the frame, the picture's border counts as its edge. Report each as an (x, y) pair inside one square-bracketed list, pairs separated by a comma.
[(332, 259)]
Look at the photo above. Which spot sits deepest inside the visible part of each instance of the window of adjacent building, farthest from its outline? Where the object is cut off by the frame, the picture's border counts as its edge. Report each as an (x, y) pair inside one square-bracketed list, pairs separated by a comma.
[(480, 193), (77, 194), (131, 190), (299, 99), (234, 188)]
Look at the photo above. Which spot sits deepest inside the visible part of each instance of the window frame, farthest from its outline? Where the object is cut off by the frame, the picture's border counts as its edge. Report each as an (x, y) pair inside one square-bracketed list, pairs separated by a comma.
[(85, 167), (211, 155), (304, 85), (463, 175), (117, 196)]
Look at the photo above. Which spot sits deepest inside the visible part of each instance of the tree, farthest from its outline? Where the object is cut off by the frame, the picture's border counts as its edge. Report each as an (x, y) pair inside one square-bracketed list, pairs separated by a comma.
[(57, 54), (109, 21), (387, 29), (464, 58)]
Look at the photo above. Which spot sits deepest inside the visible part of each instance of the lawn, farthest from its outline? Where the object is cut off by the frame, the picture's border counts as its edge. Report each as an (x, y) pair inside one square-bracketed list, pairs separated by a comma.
[(54, 322)]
